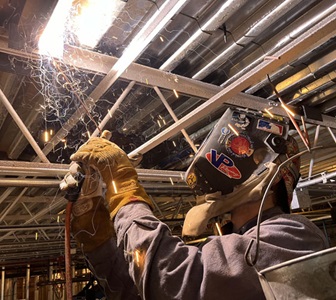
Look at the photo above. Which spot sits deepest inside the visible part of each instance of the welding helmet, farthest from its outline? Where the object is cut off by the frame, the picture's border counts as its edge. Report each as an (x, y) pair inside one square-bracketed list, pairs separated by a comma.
[(240, 145)]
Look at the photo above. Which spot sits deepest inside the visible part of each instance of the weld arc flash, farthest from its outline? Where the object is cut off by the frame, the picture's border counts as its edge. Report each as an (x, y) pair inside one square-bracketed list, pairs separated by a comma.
[(239, 145)]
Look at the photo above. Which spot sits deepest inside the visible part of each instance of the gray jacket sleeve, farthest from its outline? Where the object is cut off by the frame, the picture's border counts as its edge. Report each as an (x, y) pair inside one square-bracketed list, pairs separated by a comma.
[(110, 268), (163, 267)]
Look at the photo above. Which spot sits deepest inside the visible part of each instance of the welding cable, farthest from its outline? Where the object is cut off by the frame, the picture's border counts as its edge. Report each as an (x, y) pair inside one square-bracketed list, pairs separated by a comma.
[(68, 275), (71, 195), (251, 261)]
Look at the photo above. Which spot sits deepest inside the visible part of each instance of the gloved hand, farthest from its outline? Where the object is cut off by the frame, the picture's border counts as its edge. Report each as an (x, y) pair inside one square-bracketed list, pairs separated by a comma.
[(90, 222), (118, 173)]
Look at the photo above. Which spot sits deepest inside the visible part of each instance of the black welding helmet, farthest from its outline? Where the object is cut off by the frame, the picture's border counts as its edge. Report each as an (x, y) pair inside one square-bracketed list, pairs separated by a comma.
[(238, 146)]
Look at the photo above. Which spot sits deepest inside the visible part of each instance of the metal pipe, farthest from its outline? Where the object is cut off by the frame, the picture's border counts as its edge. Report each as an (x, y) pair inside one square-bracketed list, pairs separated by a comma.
[(55, 204), (332, 134), (9, 207), (42, 169), (268, 14), (6, 194), (329, 105), (36, 288), (24, 182), (327, 200), (278, 75), (323, 163), (165, 185), (327, 217), (50, 277), (221, 15), (156, 206), (306, 75), (45, 236), (27, 282), (171, 112), (15, 288), (30, 245), (3, 283), (45, 255), (135, 48), (73, 275), (311, 163), (160, 175), (319, 179), (319, 84), (67, 234), (19, 168), (201, 133), (114, 108), (318, 14), (29, 227), (318, 32), (22, 127)]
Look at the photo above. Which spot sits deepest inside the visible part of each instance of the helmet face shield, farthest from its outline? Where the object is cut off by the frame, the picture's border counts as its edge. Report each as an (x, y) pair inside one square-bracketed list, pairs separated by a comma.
[(238, 146)]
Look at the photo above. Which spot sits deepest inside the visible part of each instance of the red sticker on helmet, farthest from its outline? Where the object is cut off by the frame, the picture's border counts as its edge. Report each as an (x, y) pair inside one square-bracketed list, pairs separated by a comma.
[(239, 146)]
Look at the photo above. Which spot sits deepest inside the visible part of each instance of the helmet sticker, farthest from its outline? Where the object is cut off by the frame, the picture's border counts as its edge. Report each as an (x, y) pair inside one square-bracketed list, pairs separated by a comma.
[(239, 146), (240, 120), (223, 163), (269, 127), (224, 132), (191, 180)]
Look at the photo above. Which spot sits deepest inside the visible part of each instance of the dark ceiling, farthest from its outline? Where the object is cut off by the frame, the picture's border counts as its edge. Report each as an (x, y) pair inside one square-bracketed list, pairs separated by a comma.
[(183, 74)]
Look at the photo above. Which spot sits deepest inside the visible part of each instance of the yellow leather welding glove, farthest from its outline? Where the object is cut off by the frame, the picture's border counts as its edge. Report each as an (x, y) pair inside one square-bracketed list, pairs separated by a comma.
[(118, 173), (90, 221)]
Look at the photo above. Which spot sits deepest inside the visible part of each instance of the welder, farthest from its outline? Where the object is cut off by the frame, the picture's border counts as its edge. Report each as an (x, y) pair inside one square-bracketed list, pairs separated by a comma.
[(135, 256)]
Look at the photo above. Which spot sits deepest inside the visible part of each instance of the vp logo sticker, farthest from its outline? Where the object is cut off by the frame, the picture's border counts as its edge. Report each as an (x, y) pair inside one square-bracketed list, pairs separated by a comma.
[(223, 163)]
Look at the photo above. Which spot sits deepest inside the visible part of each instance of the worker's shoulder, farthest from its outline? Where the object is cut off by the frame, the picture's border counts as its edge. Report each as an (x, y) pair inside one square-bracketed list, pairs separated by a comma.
[(290, 220), (295, 225)]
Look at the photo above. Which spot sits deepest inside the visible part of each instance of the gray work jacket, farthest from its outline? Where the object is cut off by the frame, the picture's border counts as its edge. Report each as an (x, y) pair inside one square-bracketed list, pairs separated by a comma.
[(163, 267)]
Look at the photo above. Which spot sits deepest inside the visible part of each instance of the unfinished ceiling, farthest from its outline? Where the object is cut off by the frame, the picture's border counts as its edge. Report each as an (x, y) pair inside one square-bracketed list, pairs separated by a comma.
[(189, 61)]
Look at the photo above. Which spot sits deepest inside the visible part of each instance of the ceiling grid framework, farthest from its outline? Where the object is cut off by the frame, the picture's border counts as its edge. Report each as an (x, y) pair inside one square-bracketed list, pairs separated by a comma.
[(193, 61)]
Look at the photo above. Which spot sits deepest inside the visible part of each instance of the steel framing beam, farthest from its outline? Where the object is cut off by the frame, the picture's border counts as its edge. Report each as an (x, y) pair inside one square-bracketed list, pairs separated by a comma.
[(321, 31), (230, 95), (19, 168)]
